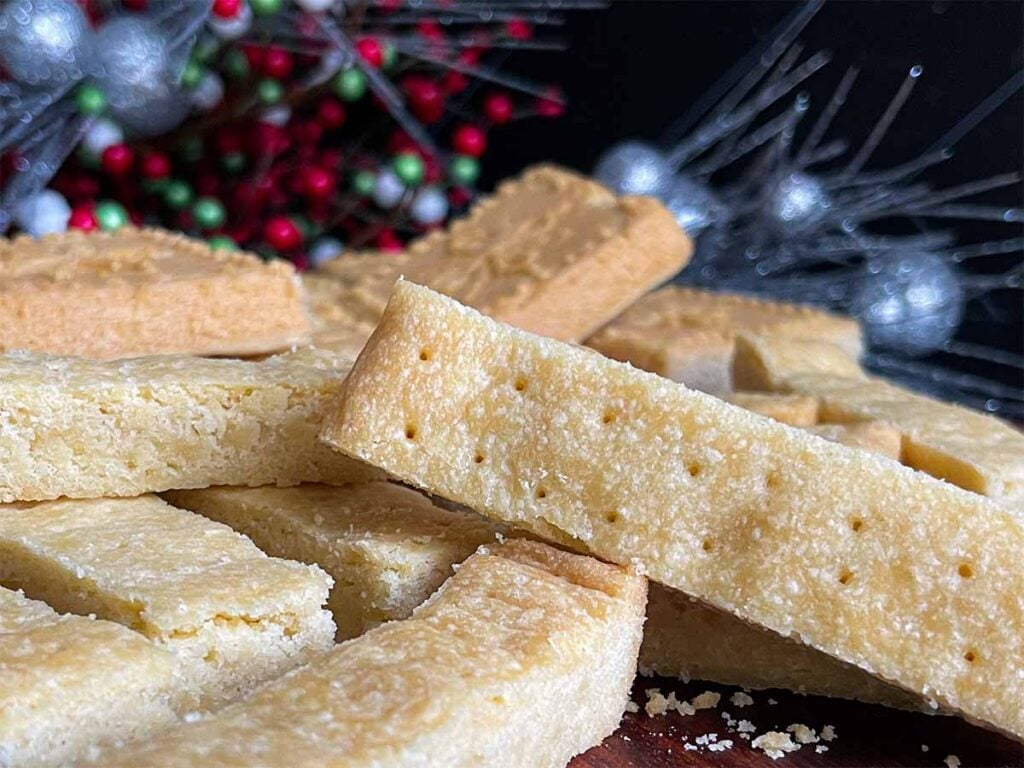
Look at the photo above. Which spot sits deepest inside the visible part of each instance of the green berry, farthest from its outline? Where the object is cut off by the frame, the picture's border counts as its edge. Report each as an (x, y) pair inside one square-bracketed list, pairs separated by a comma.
[(363, 183), (463, 170), (389, 56), (191, 149), (178, 194), (236, 65), (208, 213), (191, 74), (154, 186), (87, 158), (110, 215), (205, 50), (233, 162), (222, 243), (350, 84), (409, 168), (265, 7), (270, 91), (90, 100)]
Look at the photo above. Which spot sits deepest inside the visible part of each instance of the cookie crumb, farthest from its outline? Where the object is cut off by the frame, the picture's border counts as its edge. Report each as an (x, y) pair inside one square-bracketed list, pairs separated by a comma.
[(772, 702), (776, 744), (632, 706), (802, 733), (952, 761), (828, 733), (720, 746), (741, 699), (821, 748), (706, 700), (924, 747), (745, 726)]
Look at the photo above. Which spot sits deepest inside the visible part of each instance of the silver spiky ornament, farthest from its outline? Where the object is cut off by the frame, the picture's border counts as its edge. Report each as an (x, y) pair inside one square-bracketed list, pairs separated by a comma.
[(44, 42), (634, 168)]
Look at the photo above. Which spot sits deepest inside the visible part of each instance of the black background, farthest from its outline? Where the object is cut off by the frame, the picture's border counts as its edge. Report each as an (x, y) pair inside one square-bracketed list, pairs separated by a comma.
[(632, 69)]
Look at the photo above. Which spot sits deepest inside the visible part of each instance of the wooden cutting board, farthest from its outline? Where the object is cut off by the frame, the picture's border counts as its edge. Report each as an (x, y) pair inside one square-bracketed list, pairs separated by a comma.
[(866, 735)]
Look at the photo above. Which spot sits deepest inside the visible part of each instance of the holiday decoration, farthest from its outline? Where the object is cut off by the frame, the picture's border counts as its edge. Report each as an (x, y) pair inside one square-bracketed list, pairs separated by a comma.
[(277, 125), (781, 210)]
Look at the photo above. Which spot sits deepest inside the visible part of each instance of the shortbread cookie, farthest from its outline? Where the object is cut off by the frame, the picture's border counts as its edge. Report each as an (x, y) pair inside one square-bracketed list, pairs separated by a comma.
[(766, 363), (524, 657), (688, 334), (877, 436), (80, 428), (795, 410), (873, 563), (967, 448), (552, 252), (144, 292), (386, 547), (687, 639), (231, 616), (69, 683)]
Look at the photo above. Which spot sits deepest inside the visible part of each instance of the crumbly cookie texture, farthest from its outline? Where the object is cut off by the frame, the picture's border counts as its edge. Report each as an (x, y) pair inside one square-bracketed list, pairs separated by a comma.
[(909, 578), (765, 363), (71, 683), (86, 429), (138, 292), (552, 252), (231, 616), (880, 437), (795, 410), (967, 448), (688, 334), (388, 548), (524, 657)]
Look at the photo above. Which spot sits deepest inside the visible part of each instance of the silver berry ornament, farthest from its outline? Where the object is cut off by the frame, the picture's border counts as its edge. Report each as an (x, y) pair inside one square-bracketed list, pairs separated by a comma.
[(634, 168), (910, 302), (138, 77), (44, 42), (324, 249), (45, 213), (429, 206), (387, 189), (693, 204)]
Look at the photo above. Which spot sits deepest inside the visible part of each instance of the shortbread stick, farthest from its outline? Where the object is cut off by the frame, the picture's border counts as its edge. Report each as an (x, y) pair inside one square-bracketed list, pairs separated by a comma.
[(883, 567), (764, 363), (70, 683), (795, 410), (144, 292), (551, 251), (687, 639), (522, 659), (231, 616), (687, 334), (877, 436), (386, 547), (969, 449), (86, 429)]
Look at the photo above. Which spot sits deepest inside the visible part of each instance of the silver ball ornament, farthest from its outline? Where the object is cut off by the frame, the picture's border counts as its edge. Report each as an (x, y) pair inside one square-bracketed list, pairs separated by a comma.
[(44, 42), (910, 302), (798, 201), (278, 115), (694, 205), (45, 213), (234, 28), (387, 189), (324, 249), (429, 206), (634, 168), (209, 93), (101, 134), (138, 76)]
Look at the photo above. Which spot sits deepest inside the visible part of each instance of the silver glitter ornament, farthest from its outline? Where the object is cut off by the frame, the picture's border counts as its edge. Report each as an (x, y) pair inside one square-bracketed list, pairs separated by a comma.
[(388, 189), (44, 42), (910, 302), (138, 77), (798, 201), (634, 168), (694, 205)]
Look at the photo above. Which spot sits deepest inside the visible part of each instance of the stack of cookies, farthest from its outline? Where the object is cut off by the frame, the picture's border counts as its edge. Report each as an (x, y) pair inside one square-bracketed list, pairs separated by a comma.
[(216, 549)]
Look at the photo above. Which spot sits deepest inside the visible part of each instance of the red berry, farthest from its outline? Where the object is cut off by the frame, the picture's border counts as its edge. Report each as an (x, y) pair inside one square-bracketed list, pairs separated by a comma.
[(117, 159), (277, 63), (229, 140), (426, 99), (459, 196), (518, 29), (269, 139), (371, 51), (498, 108), (83, 217), (226, 9), (318, 183), (469, 140), (455, 82), (399, 143), (134, 5), (387, 240), (551, 105), (254, 54), (300, 261), (430, 30), (330, 113), (330, 158), (306, 134), (282, 234), (155, 165), (471, 56)]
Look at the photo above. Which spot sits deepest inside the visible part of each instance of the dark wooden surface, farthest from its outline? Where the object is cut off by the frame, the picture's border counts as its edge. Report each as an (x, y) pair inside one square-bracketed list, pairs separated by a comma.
[(866, 735)]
